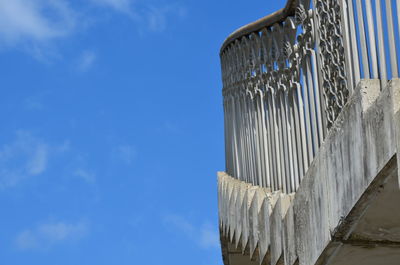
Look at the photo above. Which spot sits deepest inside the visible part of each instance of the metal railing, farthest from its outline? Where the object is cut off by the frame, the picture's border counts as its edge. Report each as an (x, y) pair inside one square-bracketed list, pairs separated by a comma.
[(372, 37), (287, 76)]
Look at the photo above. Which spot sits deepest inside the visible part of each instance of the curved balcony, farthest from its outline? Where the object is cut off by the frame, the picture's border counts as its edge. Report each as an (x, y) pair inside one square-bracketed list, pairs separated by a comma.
[(287, 77), (312, 134)]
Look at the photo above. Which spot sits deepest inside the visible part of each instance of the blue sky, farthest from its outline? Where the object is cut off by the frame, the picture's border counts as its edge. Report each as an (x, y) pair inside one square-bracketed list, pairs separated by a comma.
[(112, 129)]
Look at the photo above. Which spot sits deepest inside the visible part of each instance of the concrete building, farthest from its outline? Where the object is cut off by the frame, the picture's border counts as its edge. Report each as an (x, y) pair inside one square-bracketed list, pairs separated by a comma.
[(312, 133)]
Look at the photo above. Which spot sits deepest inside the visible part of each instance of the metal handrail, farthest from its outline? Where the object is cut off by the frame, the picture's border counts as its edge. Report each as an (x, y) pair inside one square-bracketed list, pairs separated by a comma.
[(267, 21)]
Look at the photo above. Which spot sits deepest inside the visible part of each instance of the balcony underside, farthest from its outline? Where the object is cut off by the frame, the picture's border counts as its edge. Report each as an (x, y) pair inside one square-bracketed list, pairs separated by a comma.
[(346, 210)]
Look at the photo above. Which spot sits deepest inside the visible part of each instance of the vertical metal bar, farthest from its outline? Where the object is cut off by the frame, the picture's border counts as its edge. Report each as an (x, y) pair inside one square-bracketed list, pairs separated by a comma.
[(265, 136), (302, 123), (295, 152), (248, 140), (261, 134), (278, 125), (277, 41), (392, 42), (346, 43), (381, 44), (256, 145), (306, 105), (247, 161), (363, 42), (290, 30), (232, 142), (311, 103), (253, 147), (278, 146), (318, 66), (229, 141), (297, 128), (244, 140), (234, 151), (276, 143), (271, 141), (291, 156), (236, 77), (234, 135), (241, 138), (250, 143), (285, 152), (236, 162), (265, 42), (371, 37), (267, 119), (350, 17), (256, 54), (229, 135), (257, 140), (238, 151), (228, 152), (317, 98)]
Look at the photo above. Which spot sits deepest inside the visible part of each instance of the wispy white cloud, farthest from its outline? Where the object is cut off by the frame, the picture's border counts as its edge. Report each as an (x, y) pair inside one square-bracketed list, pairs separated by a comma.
[(64, 147), (37, 163), (28, 156), (119, 5), (25, 157), (126, 153), (46, 235), (157, 17), (86, 60), (34, 26), (171, 127), (209, 237), (180, 223), (35, 21), (86, 175), (32, 103), (206, 235), (148, 16)]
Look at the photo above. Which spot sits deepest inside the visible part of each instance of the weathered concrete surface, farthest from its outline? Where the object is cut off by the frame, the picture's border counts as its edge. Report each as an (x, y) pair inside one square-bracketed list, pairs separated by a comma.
[(346, 205), (380, 221), (372, 224), (395, 91), (360, 255)]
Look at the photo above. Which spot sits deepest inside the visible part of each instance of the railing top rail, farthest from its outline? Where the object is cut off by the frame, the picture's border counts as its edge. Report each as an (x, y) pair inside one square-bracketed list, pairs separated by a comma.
[(261, 23)]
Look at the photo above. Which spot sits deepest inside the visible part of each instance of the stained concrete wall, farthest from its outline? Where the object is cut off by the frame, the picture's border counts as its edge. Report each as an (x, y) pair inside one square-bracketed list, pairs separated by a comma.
[(357, 159)]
